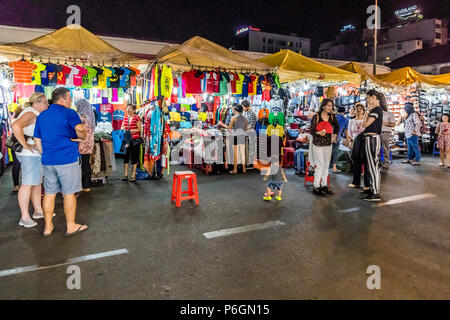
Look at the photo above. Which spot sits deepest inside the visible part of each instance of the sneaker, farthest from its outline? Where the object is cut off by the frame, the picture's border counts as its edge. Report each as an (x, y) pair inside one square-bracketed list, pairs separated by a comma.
[(366, 192), (278, 198), (372, 198), (318, 192), (40, 215), (326, 190), (267, 198), (406, 161), (27, 224)]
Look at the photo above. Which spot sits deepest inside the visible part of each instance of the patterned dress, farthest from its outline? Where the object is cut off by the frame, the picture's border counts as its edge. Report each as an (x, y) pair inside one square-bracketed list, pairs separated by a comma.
[(444, 136)]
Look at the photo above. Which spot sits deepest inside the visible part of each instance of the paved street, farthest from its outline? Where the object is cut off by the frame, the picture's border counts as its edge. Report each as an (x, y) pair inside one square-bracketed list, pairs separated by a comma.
[(314, 249)]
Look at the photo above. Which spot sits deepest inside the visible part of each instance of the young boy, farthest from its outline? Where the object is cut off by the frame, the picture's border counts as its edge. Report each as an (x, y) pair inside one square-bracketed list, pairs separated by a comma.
[(277, 179)]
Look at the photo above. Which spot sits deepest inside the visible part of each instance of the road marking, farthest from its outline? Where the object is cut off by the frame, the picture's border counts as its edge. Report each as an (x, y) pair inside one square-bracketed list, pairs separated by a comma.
[(10, 272), (253, 227), (394, 201)]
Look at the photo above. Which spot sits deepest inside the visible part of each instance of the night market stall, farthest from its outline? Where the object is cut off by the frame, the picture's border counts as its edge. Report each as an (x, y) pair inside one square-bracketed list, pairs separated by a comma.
[(192, 88), (307, 82), (94, 71)]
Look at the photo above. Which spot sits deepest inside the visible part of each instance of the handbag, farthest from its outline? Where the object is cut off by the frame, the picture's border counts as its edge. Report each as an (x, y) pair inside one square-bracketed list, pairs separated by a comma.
[(12, 143)]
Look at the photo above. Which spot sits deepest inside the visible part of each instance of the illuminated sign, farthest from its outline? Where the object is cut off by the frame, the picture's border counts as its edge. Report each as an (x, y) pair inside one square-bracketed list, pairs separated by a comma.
[(348, 27), (409, 13), (246, 29)]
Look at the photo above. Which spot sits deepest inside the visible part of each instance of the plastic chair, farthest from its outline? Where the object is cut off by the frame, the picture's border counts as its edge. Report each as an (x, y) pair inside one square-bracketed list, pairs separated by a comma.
[(178, 194), (436, 149), (309, 178)]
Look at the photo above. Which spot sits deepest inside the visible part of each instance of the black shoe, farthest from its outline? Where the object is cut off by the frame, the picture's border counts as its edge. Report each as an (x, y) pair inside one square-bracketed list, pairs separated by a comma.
[(372, 198), (366, 192), (326, 190), (319, 192)]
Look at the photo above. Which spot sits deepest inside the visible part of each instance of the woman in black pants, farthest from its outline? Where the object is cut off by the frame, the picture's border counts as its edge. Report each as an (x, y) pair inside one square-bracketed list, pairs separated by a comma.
[(132, 123), (86, 147), (15, 172)]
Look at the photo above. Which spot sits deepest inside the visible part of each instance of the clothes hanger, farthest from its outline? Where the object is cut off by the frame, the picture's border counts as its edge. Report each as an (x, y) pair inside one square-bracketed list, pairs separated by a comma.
[(23, 58)]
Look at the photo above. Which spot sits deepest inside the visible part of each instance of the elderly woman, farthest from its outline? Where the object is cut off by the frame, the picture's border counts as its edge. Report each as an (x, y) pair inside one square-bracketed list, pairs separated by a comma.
[(30, 159), (86, 147)]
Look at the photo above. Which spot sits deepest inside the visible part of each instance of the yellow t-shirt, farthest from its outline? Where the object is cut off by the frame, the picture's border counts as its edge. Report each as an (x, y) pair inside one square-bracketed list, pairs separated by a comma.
[(202, 116), (239, 83), (36, 75), (166, 82), (175, 116), (102, 79)]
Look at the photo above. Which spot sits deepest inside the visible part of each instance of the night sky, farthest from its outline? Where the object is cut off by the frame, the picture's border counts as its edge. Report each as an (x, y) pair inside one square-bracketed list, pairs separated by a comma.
[(177, 21)]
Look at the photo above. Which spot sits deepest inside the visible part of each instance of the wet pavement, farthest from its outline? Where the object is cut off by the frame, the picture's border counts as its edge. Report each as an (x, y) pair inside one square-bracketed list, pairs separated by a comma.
[(317, 248)]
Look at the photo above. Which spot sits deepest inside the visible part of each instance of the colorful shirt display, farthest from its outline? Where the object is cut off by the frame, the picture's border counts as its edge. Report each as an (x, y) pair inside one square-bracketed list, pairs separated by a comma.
[(23, 71)]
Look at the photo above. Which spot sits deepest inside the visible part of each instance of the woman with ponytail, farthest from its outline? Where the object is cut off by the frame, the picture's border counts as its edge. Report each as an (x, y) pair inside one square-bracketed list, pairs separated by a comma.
[(30, 159)]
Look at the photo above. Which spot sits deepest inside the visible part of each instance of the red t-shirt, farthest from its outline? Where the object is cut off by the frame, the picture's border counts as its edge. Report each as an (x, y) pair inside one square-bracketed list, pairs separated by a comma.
[(63, 71), (251, 85), (234, 79), (133, 125), (192, 81), (213, 82)]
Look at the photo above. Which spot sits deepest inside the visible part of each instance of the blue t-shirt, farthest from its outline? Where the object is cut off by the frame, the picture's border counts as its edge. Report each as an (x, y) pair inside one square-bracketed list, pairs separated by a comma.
[(55, 127), (343, 125)]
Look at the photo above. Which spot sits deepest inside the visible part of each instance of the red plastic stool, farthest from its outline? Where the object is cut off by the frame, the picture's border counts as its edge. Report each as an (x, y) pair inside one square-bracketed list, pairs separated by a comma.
[(288, 157), (178, 194), (309, 178)]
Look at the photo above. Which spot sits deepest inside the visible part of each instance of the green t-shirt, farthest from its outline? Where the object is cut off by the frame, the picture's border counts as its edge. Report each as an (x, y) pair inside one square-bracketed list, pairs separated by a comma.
[(88, 77), (279, 118)]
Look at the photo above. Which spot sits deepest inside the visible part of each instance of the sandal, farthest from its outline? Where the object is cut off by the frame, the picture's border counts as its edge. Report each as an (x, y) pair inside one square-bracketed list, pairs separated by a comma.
[(232, 172), (125, 179), (133, 179), (354, 186), (76, 232)]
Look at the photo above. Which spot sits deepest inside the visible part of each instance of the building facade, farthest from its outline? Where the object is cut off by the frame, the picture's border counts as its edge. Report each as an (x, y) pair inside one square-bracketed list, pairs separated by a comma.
[(252, 39)]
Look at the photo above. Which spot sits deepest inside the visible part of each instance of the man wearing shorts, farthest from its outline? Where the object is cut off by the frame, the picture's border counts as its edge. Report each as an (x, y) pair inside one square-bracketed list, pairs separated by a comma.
[(56, 132)]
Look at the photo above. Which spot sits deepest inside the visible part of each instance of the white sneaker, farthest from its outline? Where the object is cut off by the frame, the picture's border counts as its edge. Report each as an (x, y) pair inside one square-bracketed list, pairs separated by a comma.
[(27, 224), (40, 215)]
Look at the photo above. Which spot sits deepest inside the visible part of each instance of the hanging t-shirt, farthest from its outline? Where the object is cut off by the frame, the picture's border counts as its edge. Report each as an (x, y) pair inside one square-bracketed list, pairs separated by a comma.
[(78, 78), (175, 116), (252, 85), (70, 76), (63, 72), (133, 74), (213, 82), (245, 86), (185, 116), (44, 76), (234, 77), (112, 76), (192, 81), (88, 77), (99, 72), (166, 81), (52, 77), (223, 86), (114, 81), (36, 74), (239, 83), (22, 71), (103, 78), (259, 89), (125, 78)]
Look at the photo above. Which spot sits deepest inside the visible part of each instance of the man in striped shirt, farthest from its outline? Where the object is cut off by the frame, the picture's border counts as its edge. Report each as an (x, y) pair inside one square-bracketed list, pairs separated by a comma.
[(249, 114)]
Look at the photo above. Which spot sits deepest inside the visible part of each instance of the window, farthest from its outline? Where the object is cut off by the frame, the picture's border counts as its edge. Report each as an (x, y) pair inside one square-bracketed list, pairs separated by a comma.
[(281, 43), (399, 46), (438, 26), (291, 44), (300, 45), (264, 40), (270, 41), (438, 35)]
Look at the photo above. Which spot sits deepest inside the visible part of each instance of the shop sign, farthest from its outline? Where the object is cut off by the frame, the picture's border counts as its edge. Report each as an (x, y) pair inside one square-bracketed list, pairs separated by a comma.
[(408, 13), (246, 29), (348, 27)]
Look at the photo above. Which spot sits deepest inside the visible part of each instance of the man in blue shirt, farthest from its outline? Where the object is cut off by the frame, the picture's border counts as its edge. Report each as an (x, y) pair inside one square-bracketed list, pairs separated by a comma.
[(57, 132), (343, 129)]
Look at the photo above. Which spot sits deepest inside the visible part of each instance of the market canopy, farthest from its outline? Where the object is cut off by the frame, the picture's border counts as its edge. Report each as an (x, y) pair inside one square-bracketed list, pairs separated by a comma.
[(202, 53), (292, 66), (365, 76), (408, 76), (72, 43)]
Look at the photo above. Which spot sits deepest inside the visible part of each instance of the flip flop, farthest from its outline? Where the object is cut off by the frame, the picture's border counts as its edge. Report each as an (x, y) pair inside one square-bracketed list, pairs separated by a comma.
[(76, 232)]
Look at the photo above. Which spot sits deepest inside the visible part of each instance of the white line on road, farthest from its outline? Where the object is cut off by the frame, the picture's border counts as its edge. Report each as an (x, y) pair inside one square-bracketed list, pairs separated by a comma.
[(10, 272), (253, 227), (394, 201)]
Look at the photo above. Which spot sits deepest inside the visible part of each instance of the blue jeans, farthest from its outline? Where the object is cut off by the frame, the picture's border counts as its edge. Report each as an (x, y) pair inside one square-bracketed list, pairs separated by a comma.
[(413, 148)]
